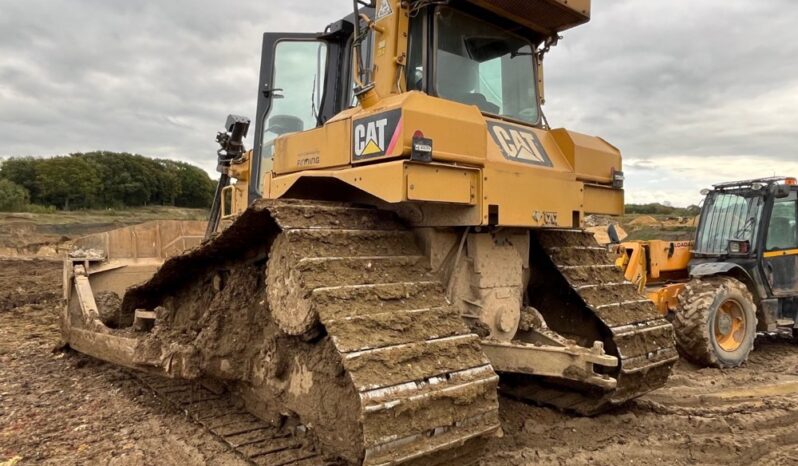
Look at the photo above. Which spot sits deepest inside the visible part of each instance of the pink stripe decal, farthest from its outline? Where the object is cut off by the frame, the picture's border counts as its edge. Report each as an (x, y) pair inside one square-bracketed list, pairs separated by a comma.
[(395, 138)]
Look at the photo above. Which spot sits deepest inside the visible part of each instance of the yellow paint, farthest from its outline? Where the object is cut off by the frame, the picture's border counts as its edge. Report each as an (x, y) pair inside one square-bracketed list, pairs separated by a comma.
[(441, 184), (772, 254), (469, 167), (372, 148), (324, 147)]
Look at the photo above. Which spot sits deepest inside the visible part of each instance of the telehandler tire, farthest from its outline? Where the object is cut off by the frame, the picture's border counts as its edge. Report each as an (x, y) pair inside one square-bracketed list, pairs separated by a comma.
[(716, 322)]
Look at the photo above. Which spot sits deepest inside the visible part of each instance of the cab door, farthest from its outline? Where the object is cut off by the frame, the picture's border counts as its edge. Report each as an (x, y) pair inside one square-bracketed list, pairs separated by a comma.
[(304, 81), (781, 247), (289, 95)]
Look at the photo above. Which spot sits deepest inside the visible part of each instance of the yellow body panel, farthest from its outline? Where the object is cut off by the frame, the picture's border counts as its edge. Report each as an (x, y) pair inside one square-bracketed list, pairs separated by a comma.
[(427, 183), (589, 156), (602, 200), (529, 197), (457, 130), (313, 149), (498, 172), (551, 193)]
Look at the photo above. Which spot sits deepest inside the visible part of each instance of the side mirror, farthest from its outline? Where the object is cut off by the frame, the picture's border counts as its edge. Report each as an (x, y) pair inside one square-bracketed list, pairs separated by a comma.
[(270, 93), (781, 191)]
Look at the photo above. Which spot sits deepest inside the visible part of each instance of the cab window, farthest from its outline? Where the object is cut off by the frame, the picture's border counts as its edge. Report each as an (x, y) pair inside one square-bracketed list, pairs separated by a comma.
[(299, 74), (782, 230), (479, 63)]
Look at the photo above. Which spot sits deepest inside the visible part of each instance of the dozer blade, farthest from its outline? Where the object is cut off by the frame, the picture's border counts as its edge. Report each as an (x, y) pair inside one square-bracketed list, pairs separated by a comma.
[(317, 314), (584, 297)]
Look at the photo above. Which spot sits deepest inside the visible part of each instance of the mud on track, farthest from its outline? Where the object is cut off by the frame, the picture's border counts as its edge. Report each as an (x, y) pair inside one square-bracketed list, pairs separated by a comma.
[(65, 409)]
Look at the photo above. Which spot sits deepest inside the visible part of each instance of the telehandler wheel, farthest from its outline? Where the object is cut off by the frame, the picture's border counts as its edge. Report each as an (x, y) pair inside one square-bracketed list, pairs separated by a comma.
[(716, 322)]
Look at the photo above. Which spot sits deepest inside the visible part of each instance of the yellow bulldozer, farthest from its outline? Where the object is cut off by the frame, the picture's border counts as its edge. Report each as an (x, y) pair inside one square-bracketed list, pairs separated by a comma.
[(739, 276), (404, 241)]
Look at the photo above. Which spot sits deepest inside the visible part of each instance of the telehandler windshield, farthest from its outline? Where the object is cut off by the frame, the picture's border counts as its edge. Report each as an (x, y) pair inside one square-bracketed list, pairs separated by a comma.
[(478, 63), (728, 216)]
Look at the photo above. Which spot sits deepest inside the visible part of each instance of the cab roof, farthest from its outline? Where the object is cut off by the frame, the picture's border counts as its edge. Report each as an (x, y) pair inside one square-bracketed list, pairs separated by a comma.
[(547, 17)]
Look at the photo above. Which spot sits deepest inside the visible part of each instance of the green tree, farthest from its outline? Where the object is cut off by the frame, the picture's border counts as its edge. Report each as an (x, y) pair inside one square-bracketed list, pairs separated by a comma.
[(68, 182), (13, 197), (196, 188), (22, 171), (108, 179)]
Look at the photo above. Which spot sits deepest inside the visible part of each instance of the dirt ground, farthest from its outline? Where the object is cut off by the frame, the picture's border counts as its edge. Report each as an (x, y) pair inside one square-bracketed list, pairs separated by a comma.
[(66, 409)]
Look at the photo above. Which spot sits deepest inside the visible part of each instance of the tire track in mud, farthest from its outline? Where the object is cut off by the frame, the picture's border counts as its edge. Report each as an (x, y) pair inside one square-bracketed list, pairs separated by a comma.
[(747, 415), (254, 440)]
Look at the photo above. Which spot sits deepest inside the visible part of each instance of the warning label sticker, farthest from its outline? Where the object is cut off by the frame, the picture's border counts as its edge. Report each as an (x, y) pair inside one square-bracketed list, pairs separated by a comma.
[(384, 10)]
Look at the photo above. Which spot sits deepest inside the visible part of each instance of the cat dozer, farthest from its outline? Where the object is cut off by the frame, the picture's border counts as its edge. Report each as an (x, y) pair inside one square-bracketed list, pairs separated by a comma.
[(403, 242)]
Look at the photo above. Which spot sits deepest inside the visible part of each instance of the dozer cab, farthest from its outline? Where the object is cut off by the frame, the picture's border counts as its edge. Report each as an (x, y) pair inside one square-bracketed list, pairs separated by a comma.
[(739, 276), (404, 240)]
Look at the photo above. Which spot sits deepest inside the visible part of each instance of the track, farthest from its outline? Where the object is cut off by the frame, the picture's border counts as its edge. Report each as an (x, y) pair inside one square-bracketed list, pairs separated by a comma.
[(576, 277), (381, 368), (257, 441)]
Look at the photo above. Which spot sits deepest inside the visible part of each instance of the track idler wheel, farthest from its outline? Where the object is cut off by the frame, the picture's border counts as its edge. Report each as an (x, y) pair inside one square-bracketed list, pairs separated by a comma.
[(287, 295)]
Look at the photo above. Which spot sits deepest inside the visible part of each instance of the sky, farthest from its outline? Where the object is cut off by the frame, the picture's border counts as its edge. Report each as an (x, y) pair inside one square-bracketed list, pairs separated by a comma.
[(691, 91)]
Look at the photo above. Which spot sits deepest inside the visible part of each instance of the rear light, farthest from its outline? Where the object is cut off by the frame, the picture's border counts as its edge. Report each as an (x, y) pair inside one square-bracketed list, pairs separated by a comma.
[(739, 247), (791, 182), (421, 150), (617, 179)]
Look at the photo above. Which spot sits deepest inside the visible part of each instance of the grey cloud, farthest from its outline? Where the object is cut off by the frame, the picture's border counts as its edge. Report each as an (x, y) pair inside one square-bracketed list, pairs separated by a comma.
[(657, 78), (681, 77), (147, 76)]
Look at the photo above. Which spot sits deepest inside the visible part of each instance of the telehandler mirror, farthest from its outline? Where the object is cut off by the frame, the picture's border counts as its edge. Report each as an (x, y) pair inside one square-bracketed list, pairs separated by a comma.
[(781, 191)]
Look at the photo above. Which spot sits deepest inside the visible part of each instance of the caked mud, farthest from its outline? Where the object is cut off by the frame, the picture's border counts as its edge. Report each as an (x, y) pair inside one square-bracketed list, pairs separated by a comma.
[(68, 409)]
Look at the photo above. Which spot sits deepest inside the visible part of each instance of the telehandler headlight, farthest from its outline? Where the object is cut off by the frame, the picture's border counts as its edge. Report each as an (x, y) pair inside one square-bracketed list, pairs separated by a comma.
[(739, 247)]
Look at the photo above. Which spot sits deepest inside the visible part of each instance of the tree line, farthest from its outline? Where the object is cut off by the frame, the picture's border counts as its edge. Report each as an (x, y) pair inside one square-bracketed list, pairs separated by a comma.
[(100, 180), (662, 209)]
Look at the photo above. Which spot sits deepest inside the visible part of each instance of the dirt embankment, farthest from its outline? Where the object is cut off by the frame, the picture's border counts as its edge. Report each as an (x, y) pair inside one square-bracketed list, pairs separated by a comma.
[(26, 235)]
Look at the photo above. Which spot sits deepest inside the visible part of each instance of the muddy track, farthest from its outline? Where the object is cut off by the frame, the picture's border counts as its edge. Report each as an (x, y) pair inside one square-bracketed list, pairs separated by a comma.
[(588, 283), (367, 352)]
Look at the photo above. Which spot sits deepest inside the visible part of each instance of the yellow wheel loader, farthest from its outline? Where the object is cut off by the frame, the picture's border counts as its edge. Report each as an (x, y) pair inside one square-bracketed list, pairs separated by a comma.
[(403, 242), (739, 276)]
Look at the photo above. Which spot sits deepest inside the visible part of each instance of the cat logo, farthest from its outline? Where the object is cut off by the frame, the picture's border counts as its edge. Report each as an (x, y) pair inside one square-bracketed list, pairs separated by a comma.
[(519, 144), (377, 135)]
